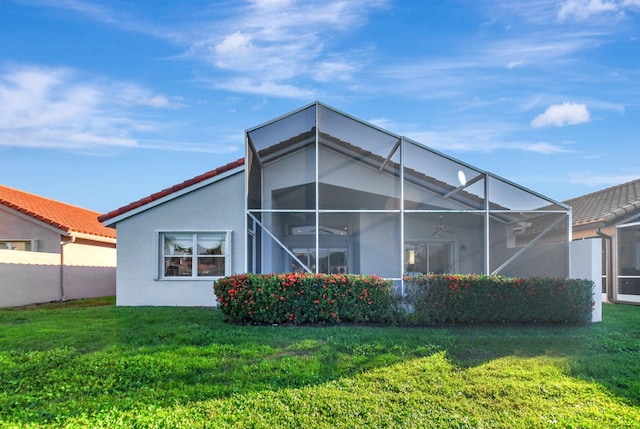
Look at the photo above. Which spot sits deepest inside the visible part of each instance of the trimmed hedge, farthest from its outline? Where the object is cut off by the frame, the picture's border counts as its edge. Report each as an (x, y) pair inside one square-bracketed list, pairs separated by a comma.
[(304, 298), (432, 299), (475, 299)]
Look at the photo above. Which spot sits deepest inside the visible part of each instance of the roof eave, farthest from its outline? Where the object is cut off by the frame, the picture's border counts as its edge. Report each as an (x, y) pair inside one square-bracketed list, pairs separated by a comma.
[(91, 237), (623, 213), (34, 218)]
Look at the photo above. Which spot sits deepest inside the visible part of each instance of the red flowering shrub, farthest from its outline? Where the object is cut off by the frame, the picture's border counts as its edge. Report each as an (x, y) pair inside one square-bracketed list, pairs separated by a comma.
[(304, 298), (430, 299), (476, 299)]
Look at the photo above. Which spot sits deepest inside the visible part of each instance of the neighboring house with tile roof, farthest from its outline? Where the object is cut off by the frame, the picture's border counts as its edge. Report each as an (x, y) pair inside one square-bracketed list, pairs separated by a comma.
[(323, 192), (51, 251), (613, 214)]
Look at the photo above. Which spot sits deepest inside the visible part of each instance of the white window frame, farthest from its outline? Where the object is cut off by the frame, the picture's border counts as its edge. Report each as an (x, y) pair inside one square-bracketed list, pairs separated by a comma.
[(160, 257), (33, 244)]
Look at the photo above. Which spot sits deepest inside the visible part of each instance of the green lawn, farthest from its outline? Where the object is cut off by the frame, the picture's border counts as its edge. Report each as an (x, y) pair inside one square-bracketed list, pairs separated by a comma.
[(91, 364)]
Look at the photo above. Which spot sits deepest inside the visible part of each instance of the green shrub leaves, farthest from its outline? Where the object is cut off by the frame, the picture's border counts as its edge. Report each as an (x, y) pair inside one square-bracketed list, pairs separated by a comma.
[(474, 299), (304, 298), (432, 299)]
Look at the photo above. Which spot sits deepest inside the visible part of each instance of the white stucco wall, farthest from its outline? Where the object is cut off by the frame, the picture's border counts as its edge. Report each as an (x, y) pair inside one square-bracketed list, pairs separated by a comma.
[(379, 238), (586, 263), (28, 277), (218, 206), (89, 269), (15, 226)]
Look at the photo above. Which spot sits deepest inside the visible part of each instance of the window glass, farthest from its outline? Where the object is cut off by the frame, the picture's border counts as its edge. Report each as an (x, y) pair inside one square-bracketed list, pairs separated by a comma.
[(629, 250), (23, 245), (209, 259), (211, 244), (211, 266), (177, 267), (331, 261), (629, 259), (429, 257), (605, 270), (178, 244), (628, 286), (307, 257)]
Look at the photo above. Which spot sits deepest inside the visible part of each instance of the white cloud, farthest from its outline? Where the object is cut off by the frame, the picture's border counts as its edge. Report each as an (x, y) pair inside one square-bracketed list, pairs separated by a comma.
[(135, 95), (254, 85), (537, 49), (235, 51), (584, 9), (560, 115), (271, 45), (600, 180), (329, 71), (545, 148), (57, 108), (158, 101), (33, 97), (385, 123), (485, 137), (229, 146)]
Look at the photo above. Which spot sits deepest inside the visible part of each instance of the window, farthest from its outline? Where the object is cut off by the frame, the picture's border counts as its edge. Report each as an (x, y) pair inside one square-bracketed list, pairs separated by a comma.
[(194, 254), (628, 238), (429, 257), (332, 261), (334, 244), (24, 245)]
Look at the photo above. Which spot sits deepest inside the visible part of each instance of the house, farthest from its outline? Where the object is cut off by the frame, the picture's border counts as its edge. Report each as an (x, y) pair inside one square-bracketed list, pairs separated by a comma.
[(321, 191), (613, 214), (52, 251)]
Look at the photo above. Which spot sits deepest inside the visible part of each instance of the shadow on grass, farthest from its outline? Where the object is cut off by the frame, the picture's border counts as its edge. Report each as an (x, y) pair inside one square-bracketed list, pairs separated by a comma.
[(56, 365)]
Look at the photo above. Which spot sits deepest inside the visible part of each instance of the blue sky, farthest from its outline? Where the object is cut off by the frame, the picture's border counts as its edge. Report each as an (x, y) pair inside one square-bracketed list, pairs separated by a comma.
[(105, 102)]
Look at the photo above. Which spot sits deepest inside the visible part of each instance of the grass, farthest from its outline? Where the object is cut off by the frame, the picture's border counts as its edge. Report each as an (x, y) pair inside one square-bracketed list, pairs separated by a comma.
[(91, 364)]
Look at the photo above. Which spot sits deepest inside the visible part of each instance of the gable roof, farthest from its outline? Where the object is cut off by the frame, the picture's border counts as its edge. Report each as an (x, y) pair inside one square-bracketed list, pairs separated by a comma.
[(153, 198), (606, 205), (62, 216)]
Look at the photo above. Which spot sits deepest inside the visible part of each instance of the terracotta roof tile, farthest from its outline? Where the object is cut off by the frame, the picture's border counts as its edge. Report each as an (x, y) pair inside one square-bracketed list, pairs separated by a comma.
[(606, 205), (175, 188), (65, 217)]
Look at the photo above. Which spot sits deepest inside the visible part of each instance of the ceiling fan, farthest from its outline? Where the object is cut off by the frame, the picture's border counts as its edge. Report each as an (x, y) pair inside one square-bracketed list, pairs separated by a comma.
[(521, 227), (441, 230)]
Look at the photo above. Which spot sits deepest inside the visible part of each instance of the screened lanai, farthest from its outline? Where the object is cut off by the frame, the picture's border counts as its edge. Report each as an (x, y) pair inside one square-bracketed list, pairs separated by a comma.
[(329, 193)]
